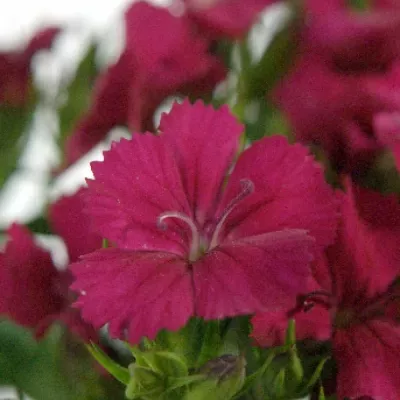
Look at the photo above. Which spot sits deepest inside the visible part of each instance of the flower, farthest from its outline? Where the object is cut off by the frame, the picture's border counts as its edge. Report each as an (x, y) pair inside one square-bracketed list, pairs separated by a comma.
[(229, 18), (332, 110), (164, 56), (352, 42), (360, 290), (188, 243), (28, 280), (364, 264), (336, 90), (34, 292)]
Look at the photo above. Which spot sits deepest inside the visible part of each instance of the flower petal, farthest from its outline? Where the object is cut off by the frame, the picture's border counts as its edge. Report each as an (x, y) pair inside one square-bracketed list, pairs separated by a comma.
[(109, 108), (28, 280), (289, 193), (260, 273), (387, 127), (368, 361), (269, 328), (232, 18), (137, 182), (70, 222), (205, 141), (366, 256), (140, 292)]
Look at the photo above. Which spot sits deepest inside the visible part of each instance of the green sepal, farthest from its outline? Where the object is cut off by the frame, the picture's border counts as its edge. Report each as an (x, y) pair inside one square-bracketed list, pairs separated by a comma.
[(223, 379), (321, 394), (316, 374), (117, 371)]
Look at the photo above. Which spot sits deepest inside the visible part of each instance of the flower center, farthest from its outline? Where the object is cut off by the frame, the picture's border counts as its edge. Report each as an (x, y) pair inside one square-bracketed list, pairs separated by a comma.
[(200, 242)]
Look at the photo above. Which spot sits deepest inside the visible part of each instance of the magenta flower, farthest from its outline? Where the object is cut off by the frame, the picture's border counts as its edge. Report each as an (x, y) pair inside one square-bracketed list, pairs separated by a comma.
[(229, 18), (364, 263), (32, 291), (334, 111), (188, 242), (352, 42), (358, 287), (29, 290), (164, 56)]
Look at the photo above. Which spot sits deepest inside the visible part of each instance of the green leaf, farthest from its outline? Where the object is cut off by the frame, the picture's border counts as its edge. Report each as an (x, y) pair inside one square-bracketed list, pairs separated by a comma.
[(277, 58), (321, 395), (13, 126), (317, 373), (79, 95), (48, 369)]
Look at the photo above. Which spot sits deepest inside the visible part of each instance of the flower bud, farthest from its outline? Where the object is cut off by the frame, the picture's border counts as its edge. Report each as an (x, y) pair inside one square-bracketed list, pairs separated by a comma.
[(223, 378)]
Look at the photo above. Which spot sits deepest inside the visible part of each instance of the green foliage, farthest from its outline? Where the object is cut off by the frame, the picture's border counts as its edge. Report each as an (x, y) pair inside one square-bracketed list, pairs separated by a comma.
[(276, 60), (53, 367), (13, 125), (79, 95)]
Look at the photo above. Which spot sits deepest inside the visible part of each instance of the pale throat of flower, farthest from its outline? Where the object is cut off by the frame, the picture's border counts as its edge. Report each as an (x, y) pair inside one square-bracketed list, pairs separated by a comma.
[(202, 242)]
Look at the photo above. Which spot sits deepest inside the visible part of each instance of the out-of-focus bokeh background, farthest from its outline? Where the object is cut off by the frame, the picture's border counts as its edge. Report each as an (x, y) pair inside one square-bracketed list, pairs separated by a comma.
[(82, 22)]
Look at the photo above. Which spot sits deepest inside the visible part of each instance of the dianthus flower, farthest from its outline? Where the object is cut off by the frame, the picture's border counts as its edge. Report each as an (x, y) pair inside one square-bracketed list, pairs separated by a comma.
[(164, 56), (344, 77), (334, 111), (361, 292), (34, 292), (225, 18), (28, 280), (364, 264), (349, 41), (188, 242)]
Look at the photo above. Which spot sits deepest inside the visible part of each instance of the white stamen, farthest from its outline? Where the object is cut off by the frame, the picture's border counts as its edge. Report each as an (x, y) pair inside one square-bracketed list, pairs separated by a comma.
[(195, 243)]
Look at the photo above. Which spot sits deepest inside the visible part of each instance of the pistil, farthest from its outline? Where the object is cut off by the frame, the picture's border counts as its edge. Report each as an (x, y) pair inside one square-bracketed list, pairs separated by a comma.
[(247, 187)]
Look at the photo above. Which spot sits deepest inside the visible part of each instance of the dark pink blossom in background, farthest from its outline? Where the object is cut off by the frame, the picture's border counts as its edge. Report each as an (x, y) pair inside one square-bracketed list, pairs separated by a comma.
[(364, 263), (34, 293), (358, 291), (153, 66), (352, 42), (333, 111), (15, 75), (28, 280), (345, 76), (187, 242)]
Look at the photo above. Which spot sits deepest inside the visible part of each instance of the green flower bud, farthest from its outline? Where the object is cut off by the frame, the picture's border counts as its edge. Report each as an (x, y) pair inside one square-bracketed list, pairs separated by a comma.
[(144, 383), (223, 378)]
